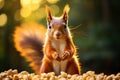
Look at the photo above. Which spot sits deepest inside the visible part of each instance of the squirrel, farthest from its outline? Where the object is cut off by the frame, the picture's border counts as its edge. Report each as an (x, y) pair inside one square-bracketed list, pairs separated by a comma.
[(51, 49)]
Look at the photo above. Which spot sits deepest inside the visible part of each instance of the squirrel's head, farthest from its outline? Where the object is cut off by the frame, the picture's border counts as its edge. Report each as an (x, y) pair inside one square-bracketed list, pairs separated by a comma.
[(58, 26)]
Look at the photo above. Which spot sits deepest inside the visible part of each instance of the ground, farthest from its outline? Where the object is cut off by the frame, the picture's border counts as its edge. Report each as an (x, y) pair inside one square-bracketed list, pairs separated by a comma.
[(24, 75)]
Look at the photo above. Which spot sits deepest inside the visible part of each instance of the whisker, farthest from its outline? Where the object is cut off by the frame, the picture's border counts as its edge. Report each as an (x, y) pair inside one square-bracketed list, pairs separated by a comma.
[(73, 28)]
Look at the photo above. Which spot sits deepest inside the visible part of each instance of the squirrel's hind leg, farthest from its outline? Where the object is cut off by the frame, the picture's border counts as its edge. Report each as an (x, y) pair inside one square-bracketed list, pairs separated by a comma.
[(73, 67), (46, 67)]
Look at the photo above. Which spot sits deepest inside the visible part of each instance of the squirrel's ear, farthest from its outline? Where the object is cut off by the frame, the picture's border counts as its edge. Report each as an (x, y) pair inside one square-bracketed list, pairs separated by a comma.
[(49, 17), (65, 12)]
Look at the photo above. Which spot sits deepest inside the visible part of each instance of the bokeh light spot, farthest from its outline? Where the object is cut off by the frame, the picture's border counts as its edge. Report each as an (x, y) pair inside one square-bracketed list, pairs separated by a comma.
[(32, 4), (25, 3), (34, 7), (25, 12), (36, 1), (1, 3), (3, 19), (52, 1)]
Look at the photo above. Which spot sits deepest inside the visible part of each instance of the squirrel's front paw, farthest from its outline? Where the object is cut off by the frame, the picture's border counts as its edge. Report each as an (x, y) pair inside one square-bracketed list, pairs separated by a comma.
[(65, 55), (56, 56)]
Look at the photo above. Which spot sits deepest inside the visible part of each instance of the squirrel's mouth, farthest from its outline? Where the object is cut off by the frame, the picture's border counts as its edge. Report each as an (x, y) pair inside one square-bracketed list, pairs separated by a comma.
[(57, 37)]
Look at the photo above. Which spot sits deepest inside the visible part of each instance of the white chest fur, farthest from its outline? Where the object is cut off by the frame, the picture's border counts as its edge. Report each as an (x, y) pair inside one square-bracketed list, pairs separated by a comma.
[(59, 45), (59, 66)]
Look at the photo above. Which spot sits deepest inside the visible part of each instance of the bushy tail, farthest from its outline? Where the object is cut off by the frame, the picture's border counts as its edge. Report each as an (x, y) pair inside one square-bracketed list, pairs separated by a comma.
[(29, 39)]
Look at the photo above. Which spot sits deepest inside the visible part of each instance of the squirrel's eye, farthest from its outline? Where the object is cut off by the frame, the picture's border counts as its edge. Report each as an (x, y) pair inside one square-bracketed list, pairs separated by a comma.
[(49, 27), (65, 26)]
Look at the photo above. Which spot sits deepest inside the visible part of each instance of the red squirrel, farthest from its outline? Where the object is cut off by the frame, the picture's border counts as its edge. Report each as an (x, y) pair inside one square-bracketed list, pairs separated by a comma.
[(55, 52)]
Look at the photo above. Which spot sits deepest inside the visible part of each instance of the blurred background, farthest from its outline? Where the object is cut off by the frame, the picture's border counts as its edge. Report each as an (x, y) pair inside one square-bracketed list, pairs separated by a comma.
[(94, 25)]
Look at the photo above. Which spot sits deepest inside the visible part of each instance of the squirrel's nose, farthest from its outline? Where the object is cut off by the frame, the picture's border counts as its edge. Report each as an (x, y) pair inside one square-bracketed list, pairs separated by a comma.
[(58, 34)]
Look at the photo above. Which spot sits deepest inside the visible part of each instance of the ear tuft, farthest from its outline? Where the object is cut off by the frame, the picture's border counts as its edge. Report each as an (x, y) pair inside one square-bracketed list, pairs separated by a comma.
[(49, 17), (66, 8), (65, 12)]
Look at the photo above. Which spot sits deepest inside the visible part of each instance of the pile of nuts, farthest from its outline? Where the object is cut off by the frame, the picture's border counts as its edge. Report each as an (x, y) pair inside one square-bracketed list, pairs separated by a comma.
[(24, 75)]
